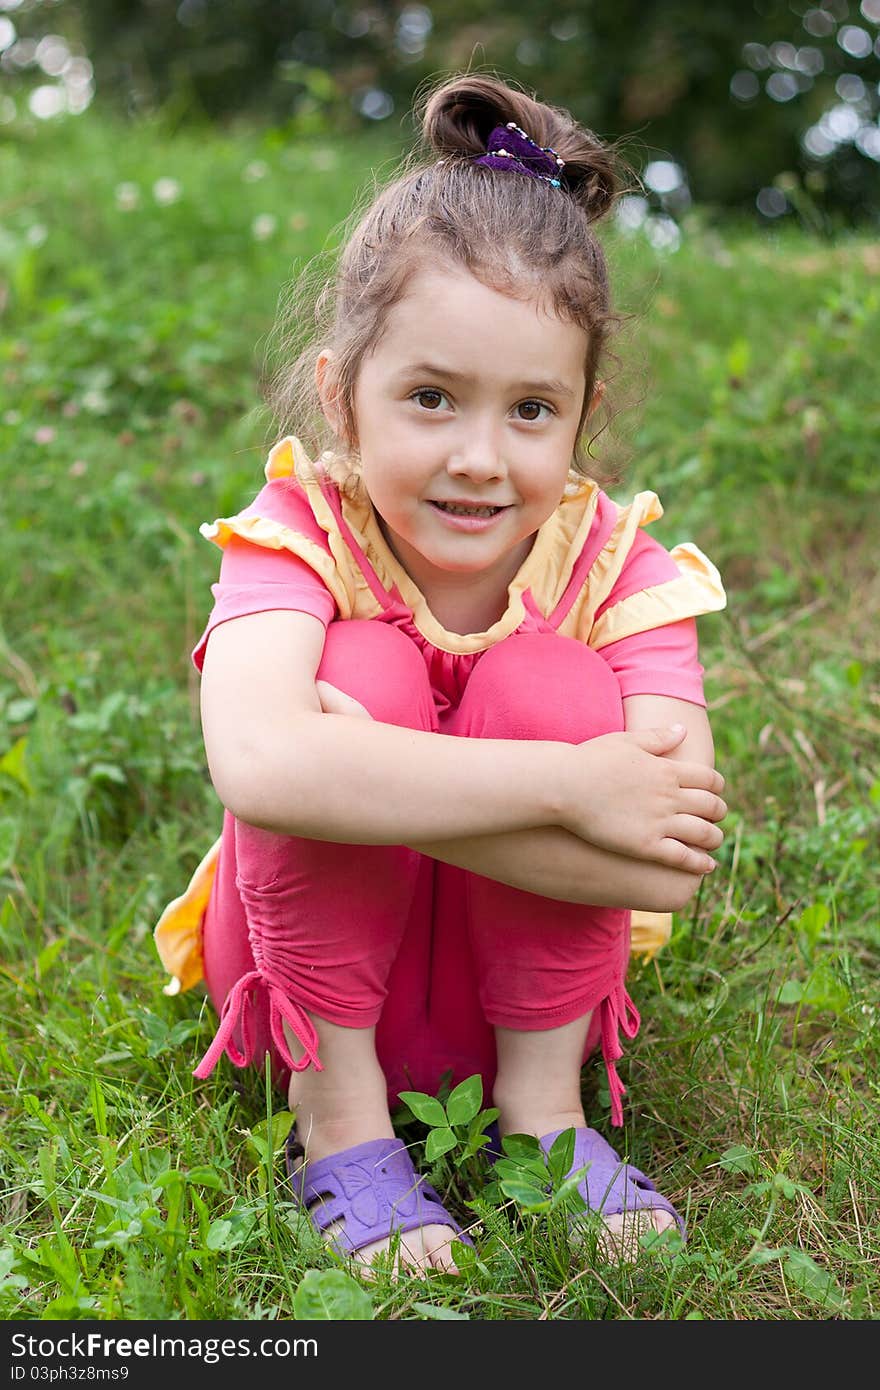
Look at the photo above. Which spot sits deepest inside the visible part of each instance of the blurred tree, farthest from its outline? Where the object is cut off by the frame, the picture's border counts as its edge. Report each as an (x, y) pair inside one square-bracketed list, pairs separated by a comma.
[(770, 103)]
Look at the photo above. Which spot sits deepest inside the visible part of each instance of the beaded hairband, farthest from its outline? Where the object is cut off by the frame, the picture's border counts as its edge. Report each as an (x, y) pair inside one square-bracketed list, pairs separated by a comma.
[(508, 147)]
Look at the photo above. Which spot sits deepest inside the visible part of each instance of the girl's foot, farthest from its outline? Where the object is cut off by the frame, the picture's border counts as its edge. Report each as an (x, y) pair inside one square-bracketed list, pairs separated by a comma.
[(346, 1105), (537, 1091), (620, 1242), (628, 1202), (389, 1180)]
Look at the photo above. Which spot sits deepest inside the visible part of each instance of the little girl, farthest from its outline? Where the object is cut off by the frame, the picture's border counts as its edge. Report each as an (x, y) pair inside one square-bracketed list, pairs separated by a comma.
[(451, 696)]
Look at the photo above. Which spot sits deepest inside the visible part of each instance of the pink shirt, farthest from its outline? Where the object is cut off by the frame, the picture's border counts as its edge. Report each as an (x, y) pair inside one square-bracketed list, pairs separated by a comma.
[(256, 579)]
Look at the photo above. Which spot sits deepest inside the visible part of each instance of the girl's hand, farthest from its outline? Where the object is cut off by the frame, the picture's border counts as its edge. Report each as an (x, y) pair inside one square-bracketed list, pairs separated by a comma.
[(335, 701), (629, 798)]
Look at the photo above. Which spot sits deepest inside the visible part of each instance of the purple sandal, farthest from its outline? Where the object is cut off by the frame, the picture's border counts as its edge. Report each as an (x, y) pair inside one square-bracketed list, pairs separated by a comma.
[(373, 1188), (610, 1186)]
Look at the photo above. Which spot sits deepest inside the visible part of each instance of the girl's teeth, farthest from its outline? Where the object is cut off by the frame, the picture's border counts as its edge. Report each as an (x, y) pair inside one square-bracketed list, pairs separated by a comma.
[(467, 511)]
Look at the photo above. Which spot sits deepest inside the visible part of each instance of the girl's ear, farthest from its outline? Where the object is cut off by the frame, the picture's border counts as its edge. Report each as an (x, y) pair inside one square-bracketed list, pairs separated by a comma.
[(326, 383), (598, 393)]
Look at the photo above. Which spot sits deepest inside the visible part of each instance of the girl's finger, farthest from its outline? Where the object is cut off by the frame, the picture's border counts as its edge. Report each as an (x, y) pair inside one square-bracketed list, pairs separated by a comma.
[(695, 831), (678, 855), (701, 777), (704, 804)]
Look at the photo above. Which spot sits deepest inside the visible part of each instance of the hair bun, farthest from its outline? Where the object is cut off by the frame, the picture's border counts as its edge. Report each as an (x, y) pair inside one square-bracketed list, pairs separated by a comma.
[(459, 115)]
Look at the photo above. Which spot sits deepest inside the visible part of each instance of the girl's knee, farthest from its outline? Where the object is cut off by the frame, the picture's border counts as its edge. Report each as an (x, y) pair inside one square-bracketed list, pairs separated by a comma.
[(542, 686), (379, 666)]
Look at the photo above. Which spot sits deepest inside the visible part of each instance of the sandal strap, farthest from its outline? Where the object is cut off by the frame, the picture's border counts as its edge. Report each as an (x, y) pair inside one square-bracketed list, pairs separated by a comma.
[(609, 1185), (372, 1188)]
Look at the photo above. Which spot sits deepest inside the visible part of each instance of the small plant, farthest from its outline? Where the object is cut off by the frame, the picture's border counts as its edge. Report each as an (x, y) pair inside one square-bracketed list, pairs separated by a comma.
[(459, 1125), (539, 1181), (459, 1129)]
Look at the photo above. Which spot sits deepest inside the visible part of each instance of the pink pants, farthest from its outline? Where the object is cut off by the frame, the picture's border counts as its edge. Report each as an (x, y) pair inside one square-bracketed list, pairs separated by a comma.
[(433, 955)]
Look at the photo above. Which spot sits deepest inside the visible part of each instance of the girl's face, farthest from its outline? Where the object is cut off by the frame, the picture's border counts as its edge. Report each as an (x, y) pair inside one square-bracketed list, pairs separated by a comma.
[(466, 415)]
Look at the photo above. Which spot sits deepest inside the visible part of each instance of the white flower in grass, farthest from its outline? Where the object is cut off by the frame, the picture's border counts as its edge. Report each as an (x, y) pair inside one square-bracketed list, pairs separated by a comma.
[(96, 402), (264, 226), (44, 435), (256, 170), (166, 191), (128, 196), (36, 234)]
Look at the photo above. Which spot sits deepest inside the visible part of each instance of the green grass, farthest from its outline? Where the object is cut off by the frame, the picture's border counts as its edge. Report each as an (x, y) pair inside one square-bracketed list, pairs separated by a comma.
[(128, 415)]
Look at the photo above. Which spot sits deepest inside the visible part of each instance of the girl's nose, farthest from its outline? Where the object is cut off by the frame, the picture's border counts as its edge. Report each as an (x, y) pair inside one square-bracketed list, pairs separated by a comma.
[(478, 455)]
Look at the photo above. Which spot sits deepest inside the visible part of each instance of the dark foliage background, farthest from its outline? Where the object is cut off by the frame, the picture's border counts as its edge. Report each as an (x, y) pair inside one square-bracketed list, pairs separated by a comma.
[(768, 106)]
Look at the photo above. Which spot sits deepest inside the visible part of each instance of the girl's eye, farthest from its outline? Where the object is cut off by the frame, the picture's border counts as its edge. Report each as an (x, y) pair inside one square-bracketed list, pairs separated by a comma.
[(428, 397), (533, 407)]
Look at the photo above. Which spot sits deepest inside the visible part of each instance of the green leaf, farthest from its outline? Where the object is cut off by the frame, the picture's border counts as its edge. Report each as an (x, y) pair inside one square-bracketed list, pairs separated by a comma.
[(218, 1235), (473, 1146), (46, 957), (17, 711), (854, 673), (438, 1312), (425, 1108), (204, 1177), (568, 1195), (482, 1121), (107, 772), (8, 842), (739, 355), (228, 1232), (523, 1148), (8, 1276), (561, 1155), (791, 992), (522, 1191), (464, 1102), (766, 1255), (824, 990), (739, 1159), (813, 921), (813, 1281), (13, 765), (782, 1183), (331, 1295), (99, 1105), (439, 1141), (257, 1137)]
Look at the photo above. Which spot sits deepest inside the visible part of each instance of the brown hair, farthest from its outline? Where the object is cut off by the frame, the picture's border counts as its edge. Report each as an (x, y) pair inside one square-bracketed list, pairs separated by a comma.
[(516, 234)]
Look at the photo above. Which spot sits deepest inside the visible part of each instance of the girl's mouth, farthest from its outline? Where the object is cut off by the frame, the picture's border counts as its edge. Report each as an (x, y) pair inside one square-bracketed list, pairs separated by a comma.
[(455, 509), (458, 516)]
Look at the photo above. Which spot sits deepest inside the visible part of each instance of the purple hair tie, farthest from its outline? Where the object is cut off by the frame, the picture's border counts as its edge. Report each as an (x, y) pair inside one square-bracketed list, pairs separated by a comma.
[(508, 147)]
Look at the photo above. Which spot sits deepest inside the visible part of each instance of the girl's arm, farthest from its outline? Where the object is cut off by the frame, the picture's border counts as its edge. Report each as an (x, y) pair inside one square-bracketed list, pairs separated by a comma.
[(649, 711), (278, 762), (552, 863)]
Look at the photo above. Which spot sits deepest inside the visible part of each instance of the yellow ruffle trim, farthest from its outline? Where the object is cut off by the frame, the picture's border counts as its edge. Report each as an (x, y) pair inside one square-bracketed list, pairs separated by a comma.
[(697, 590), (178, 933), (650, 932)]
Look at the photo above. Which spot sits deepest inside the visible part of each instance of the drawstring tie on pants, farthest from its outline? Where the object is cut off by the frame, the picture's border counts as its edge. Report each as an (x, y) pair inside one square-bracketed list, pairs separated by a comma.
[(237, 1012), (617, 1013)]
